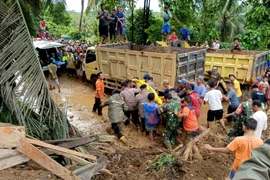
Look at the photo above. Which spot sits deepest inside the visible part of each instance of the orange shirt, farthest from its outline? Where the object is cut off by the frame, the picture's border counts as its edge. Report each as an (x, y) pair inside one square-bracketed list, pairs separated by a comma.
[(191, 122), (242, 146), (99, 87)]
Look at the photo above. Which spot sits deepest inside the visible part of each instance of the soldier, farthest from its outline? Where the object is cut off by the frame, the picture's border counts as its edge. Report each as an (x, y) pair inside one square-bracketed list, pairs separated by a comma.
[(172, 122), (242, 113)]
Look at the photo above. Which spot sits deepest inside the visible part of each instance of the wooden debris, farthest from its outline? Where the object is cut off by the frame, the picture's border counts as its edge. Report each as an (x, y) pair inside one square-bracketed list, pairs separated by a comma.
[(88, 171), (72, 157), (64, 150), (17, 139), (9, 136), (187, 148), (45, 161), (10, 158)]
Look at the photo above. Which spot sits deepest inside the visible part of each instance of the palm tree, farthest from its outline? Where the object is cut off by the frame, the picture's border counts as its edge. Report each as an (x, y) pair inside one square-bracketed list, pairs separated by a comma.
[(32, 9), (231, 20), (24, 96), (91, 4), (81, 18)]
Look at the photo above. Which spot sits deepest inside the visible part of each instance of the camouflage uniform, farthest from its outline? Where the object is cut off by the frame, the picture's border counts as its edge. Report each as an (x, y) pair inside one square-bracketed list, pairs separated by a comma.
[(171, 122), (242, 113)]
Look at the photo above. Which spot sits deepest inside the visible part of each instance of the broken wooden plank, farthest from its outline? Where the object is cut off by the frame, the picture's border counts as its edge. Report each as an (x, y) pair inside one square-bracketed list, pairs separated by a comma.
[(45, 161), (193, 141), (61, 149), (10, 158), (80, 141), (9, 136), (88, 171), (72, 157)]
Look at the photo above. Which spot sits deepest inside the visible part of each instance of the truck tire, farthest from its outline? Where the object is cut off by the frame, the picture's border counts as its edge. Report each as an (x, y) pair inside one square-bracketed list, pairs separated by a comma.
[(177, 43), (93, 81)]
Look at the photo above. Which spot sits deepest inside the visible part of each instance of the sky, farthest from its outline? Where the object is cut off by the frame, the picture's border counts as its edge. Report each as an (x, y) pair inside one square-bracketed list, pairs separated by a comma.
[(76, 5)]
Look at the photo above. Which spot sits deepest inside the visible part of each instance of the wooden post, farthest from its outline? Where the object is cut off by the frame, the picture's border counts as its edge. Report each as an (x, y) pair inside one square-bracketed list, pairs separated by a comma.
[(45, 161)]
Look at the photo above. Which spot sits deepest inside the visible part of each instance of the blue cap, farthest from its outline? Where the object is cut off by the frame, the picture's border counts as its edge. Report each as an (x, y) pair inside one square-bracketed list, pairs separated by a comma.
[(115, 91), (259, 79), (184, 81), (143, 86), (215, 69), (146, 76)]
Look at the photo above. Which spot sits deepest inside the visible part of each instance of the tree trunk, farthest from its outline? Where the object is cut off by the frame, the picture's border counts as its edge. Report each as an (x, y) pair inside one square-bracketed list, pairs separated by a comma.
[(80, 24)]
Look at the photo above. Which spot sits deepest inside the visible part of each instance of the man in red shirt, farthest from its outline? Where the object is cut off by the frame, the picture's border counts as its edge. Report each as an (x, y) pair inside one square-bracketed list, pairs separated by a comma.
[(196, 100), (99, 94), (43, 24), (173, 37)]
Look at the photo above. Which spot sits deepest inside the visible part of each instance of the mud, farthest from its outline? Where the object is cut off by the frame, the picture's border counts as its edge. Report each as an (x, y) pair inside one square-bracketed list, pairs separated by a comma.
[(131, 161)]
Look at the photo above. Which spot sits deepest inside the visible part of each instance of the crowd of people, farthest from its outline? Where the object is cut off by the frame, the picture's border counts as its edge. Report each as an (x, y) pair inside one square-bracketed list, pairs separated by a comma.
[(181, 110), (112, 25)]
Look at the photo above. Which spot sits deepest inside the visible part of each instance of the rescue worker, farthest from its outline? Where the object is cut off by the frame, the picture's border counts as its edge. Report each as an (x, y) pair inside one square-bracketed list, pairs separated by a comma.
[(242, 113), (168, 107), (140, 99), (116, 109)]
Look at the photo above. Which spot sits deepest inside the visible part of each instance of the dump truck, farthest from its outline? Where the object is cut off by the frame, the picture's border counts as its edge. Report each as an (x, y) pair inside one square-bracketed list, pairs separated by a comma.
[(119, 62), (246, 65)]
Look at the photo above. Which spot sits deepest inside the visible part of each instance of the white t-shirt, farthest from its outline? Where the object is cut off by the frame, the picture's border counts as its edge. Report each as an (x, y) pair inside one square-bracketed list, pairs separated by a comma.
[(261, 118), (213, 97), (216, 45)]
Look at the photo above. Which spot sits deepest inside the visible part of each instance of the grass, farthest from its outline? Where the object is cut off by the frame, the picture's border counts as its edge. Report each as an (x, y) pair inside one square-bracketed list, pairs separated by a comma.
[(162, 162)]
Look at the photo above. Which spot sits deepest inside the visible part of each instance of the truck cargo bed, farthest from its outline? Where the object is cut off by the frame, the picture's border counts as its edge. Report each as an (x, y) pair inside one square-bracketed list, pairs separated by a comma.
[(119, 61), (246, 65)]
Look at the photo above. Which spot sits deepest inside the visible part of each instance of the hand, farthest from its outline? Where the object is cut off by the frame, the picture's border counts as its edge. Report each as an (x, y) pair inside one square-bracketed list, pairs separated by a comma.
[(207, 146), (115, 29), (102, 100), (176, 112), (226, 115), (105, 95)]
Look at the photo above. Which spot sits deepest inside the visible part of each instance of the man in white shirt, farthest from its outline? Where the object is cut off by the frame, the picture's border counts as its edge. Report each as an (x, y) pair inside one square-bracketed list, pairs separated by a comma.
[(214, 98), (260, 117), (215, 45)]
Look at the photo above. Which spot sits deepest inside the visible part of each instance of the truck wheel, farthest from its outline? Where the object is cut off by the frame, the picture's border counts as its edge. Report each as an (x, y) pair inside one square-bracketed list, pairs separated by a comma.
[(93, 82), (177, 43)]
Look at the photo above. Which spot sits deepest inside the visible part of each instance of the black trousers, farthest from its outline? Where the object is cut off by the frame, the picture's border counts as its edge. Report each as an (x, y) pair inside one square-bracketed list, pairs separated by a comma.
[(116, 130), (135, 117), (231, 110), (97, 106), (143, 124)]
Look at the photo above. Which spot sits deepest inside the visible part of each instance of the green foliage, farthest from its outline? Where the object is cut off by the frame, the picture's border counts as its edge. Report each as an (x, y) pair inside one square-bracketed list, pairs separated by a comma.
[(154, 31), (58, 14), (258, 19), (75, 35), (155, 25), (252, 40), (162, 162)]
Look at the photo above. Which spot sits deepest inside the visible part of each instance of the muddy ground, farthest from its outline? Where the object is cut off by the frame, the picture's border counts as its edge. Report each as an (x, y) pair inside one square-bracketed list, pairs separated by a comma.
[(132, 161)]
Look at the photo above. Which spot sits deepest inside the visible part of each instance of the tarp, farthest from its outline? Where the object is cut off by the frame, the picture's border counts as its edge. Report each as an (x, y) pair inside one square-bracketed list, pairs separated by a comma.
[(148, 89), (47, 44)]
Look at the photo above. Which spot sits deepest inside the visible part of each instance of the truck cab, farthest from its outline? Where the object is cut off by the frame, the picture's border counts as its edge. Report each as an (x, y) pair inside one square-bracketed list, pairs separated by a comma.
[(91, 65)]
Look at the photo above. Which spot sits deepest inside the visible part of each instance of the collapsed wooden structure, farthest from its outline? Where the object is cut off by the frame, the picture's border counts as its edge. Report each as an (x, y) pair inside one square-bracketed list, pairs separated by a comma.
[(17, 148)]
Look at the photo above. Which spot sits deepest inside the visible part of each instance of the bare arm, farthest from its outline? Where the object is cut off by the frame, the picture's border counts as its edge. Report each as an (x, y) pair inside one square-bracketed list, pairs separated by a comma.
[(222, 150)]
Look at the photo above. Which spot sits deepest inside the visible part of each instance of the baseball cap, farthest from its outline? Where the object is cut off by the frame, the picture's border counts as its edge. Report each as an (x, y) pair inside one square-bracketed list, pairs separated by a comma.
[(201, 77), (143, 86), (115, 91), (146, 76), (232, 75), (259, 79), (215, 69), (184, 81)]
